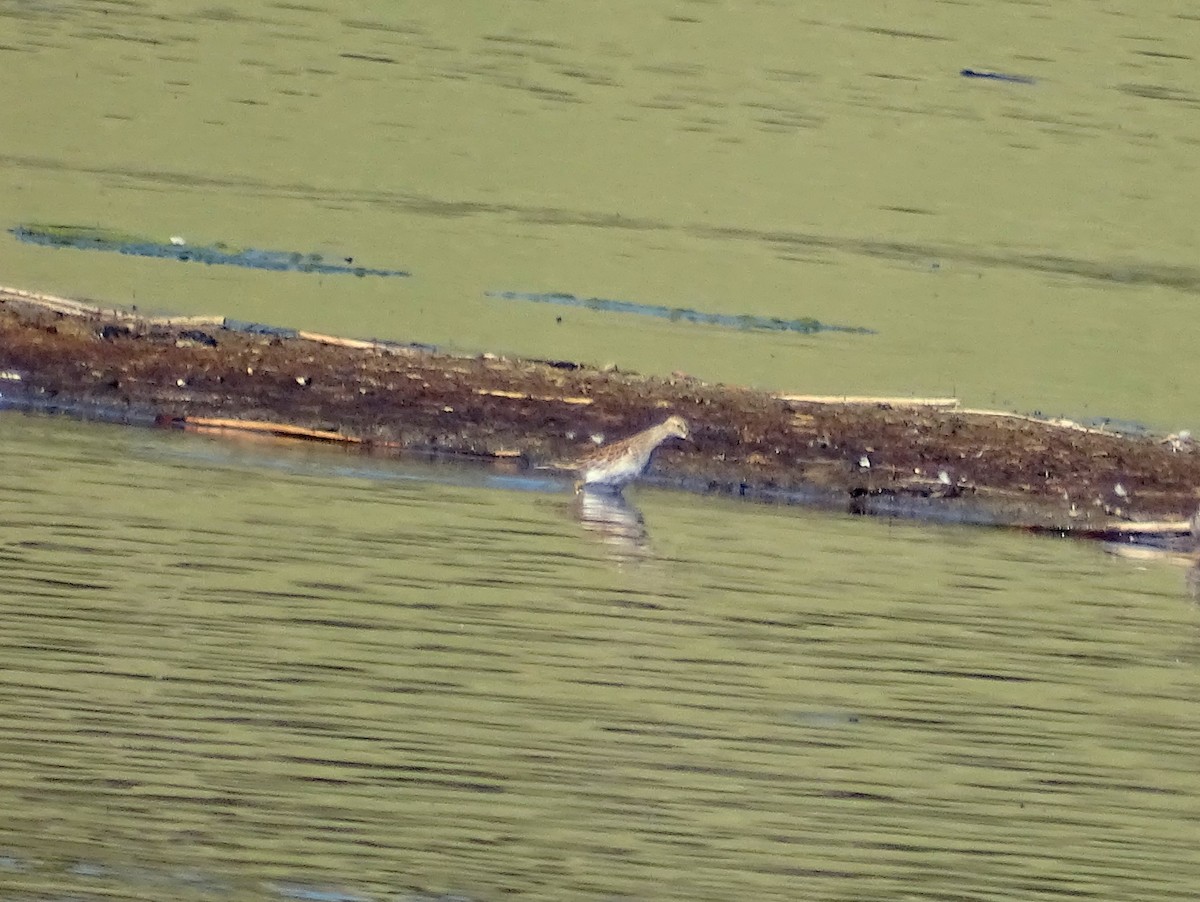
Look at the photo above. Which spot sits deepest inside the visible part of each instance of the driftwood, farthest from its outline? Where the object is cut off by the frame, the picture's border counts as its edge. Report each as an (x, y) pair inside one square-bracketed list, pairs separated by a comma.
[(261, 427), (912, 457), (872, 400)]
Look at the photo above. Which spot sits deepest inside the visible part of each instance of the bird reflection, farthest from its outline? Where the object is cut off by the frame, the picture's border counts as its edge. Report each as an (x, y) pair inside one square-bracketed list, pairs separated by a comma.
[(612, 519)]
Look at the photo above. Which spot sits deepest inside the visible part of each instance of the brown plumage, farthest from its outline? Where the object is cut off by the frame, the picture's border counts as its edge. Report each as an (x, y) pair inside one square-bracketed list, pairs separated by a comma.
[(613, 466)]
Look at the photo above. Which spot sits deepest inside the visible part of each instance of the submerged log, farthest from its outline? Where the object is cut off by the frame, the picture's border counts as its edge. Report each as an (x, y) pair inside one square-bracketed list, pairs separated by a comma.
[(868, 455)]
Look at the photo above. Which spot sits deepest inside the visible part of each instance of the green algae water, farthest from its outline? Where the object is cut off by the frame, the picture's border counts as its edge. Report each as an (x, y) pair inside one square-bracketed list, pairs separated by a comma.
[(769, 164), (259, 671)]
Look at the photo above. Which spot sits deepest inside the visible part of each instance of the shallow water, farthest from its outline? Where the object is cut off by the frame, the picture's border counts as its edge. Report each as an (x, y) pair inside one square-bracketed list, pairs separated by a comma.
[(248, 670), (268, 672)]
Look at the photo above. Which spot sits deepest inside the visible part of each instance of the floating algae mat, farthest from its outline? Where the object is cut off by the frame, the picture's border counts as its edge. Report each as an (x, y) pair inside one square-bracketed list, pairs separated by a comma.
[(85, 238), (744, 321)]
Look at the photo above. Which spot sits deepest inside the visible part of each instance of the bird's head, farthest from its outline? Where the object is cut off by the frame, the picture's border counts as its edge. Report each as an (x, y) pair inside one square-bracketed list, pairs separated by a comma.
[(677, 427)]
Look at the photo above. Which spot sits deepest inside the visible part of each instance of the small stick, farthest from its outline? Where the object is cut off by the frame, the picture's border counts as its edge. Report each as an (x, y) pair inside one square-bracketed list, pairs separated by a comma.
[(201, 320), (263, 426), (523, 396), (1153, 527), (356, 343), (869, 400), (71, 307), (1060, 422), (53, 302)]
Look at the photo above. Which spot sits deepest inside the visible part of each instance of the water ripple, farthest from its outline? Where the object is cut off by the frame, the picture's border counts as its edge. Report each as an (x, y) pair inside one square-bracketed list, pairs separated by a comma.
[(229, 677)]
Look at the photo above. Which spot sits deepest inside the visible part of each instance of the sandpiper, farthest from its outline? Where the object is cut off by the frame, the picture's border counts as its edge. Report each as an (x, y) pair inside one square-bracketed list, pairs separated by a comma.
[(611, 467)]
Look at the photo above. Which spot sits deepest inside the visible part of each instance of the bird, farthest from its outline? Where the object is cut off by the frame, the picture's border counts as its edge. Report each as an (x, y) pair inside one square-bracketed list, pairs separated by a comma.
[(613, 466)]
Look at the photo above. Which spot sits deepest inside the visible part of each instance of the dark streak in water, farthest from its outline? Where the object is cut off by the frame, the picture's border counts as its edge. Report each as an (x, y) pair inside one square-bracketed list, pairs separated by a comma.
[(1159, 92), (1130, 271), (367, 58), (743, 321), (83, 238), (998, 76), (894, 33)]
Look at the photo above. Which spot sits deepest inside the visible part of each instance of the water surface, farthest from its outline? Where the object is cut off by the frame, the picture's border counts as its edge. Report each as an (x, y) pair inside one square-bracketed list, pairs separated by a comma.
[(253, 672), (248, 671), (1018, 245)]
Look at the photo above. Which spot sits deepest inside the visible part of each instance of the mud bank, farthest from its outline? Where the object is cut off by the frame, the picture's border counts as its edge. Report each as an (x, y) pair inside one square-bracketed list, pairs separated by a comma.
[(930, 461)]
